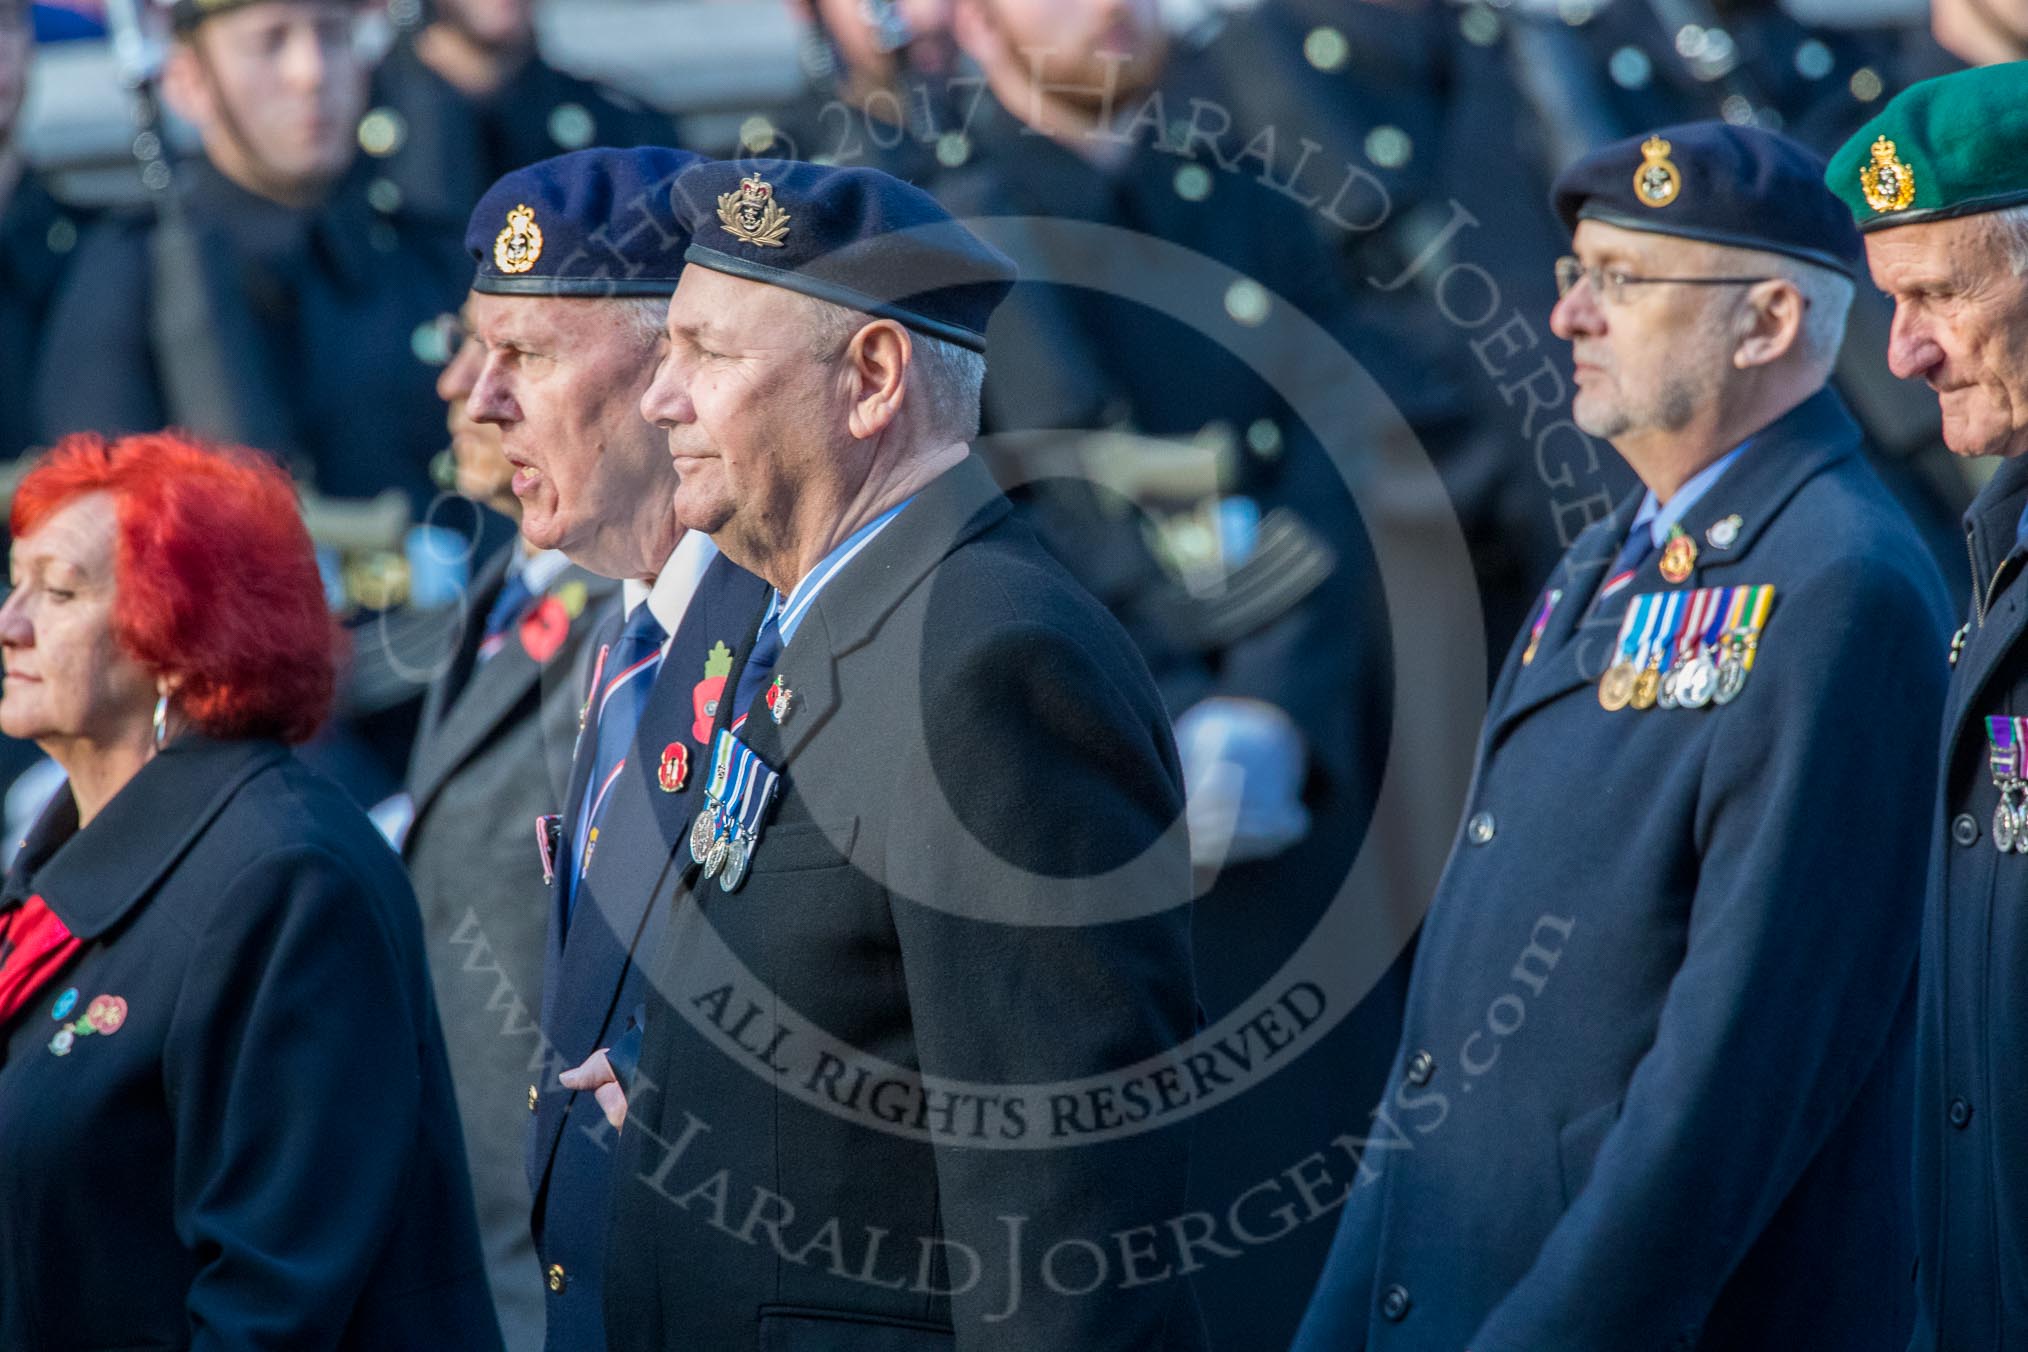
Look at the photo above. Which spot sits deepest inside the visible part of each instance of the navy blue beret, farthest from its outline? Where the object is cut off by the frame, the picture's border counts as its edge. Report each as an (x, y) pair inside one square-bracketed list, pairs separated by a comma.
[(855, 237), (1716, 182), (594, 222)]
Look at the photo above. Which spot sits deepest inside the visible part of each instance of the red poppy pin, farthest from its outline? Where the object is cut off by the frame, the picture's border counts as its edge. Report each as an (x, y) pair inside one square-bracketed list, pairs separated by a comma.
[(544, 628), (675, 767), (705, 695)]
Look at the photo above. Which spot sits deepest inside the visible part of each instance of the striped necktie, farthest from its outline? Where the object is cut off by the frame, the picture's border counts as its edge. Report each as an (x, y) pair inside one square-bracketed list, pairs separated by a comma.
[(625, 677)]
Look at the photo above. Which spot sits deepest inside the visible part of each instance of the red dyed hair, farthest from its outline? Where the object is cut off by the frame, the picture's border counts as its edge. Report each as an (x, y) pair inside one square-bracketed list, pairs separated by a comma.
[(217, 580)]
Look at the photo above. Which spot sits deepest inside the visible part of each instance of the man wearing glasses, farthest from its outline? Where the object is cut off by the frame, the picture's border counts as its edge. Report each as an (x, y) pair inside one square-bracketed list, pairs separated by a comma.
[(1652, 1087)]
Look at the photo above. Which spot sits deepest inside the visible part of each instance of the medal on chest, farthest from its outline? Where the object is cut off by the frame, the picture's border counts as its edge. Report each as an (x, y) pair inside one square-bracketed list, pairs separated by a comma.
[(1686, 650), (738, 797), (2006, 739)]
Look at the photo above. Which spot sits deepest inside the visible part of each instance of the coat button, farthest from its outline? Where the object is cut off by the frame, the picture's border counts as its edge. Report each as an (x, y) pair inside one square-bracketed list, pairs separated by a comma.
[(1965, 829), (558, 1279), (531, 1098), (1960, 1114), (1420, 1067), (1480, 828), (1394, 1304)]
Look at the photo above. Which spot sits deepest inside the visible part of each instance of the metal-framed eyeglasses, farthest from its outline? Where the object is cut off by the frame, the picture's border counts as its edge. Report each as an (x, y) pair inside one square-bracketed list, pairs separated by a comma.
[(1610, 284)]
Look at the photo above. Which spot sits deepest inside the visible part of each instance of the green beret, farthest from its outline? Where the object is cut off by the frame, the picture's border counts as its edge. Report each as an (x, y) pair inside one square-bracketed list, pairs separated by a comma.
[(1953, 146)]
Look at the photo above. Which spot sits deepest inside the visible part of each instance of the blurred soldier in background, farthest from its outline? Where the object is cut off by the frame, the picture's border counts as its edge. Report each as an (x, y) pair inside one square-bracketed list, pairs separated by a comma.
[(291, 328), (37, 234), (466, 96), (492, 755)]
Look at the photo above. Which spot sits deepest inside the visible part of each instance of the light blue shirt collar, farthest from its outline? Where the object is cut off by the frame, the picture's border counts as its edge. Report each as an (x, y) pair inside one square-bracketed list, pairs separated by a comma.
[(1659, 518), (788, 613)]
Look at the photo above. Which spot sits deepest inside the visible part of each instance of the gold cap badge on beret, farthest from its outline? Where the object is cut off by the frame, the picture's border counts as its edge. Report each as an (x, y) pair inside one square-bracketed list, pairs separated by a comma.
[(752, 215), (516, 248), (1889, 184), (1657, 181)]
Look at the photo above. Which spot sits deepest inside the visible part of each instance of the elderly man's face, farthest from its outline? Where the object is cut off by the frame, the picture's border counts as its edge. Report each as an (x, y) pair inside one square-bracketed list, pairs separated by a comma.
[(1961, 324), (1652, 360), (562, 378), (755, 414)]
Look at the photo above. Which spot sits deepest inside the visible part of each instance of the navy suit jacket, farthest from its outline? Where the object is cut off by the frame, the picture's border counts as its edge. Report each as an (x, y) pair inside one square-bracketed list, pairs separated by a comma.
[(1652, 1083), (593, 992)]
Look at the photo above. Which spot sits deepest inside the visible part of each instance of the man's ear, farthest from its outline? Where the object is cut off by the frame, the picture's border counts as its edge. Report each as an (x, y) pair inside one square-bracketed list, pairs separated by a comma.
[(184, 85), (877, 361), (1772, 326)]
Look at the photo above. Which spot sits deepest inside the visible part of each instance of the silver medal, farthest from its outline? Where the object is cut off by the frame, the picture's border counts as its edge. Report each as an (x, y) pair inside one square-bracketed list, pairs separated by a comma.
[(1731, 679), (714, 858), (2003, 823), (702, 831), (1665, 694), (2021, 826), (1699, 679), (737, 853)]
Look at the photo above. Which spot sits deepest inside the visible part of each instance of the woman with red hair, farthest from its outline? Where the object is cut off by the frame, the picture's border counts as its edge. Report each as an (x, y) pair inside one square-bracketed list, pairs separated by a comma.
[(226, 1118)]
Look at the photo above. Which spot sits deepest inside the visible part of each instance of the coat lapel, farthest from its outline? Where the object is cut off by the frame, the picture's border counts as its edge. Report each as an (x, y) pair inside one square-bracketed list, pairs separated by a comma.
[(1990, 524)]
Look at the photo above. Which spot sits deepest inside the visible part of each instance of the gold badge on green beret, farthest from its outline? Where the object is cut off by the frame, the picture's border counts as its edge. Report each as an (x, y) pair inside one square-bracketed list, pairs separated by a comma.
[(1953, 146), (1889, 185), (1657, 181)]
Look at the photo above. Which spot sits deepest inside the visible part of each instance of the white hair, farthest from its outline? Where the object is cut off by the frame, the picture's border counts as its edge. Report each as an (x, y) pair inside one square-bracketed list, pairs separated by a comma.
[(2012, 226), (1827, 300), (944, 376), (650, 313)]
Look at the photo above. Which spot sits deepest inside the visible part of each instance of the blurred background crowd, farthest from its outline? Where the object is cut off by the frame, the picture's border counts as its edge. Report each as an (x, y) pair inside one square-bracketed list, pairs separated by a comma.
[(252, 228)]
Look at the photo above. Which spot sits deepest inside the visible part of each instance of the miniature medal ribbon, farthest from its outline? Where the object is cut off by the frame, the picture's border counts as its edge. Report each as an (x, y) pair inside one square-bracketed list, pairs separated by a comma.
[(1541, 622)]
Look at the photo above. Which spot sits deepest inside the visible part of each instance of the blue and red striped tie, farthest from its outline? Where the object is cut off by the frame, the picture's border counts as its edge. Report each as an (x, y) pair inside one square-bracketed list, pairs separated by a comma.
[(626, 676)]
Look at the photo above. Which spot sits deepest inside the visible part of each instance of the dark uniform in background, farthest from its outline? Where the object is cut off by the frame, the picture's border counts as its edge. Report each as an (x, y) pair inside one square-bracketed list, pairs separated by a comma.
[(314, 312), (492, 755), (438, 148), (1593, 1139), (38, 235), (1944, 149)]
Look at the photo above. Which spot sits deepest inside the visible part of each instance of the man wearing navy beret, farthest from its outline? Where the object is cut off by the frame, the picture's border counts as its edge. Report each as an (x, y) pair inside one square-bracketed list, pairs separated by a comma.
[(1651, 1090), (933, 934), (576, 259), (1938, 185)]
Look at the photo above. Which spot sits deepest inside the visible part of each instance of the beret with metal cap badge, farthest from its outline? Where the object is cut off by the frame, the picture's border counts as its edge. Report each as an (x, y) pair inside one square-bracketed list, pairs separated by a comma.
[(1953, 146), (593, 222), (852, 236), (1712, 181)]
